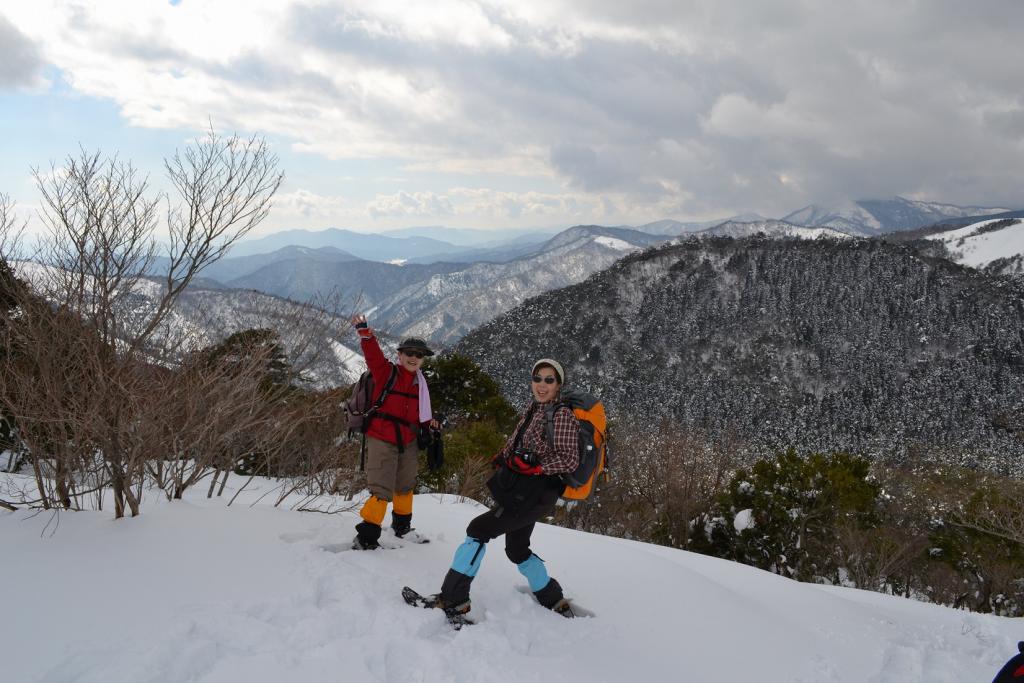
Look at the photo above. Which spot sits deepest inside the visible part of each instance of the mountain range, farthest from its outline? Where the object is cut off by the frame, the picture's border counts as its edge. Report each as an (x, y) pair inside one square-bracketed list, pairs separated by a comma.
[(869, 217), (448, 305), (826, 345)]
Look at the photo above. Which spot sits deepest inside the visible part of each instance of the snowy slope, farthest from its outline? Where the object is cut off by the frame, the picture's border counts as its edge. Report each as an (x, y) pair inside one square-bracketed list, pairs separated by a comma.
[(867, 217), (976, 247), (771, 229), (197, 591)]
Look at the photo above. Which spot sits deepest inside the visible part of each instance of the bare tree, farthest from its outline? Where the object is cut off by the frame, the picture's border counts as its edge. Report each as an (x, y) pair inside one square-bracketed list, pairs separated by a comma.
[(91, 343)]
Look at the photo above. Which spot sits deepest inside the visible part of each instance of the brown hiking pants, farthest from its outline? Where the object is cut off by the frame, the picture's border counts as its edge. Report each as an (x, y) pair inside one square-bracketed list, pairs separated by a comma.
[(389, 472)]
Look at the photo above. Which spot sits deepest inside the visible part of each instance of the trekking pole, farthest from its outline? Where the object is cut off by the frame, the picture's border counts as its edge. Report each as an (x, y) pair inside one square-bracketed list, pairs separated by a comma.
[(362, 453)]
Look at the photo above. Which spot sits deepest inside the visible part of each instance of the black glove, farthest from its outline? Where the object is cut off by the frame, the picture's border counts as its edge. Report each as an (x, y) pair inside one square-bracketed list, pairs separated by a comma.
[(435, 451)]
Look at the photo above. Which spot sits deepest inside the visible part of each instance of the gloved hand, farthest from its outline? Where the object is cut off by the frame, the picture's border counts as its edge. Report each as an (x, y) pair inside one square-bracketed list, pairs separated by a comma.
[(519, 465), (362, 327)]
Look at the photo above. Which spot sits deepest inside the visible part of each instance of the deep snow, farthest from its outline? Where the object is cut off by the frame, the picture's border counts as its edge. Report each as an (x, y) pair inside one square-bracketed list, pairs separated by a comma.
[(977, 251), (197, 591)]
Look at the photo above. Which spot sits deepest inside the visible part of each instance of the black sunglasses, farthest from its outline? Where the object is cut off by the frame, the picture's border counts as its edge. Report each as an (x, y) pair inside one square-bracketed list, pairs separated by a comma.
[(415, 354), (547, 380)]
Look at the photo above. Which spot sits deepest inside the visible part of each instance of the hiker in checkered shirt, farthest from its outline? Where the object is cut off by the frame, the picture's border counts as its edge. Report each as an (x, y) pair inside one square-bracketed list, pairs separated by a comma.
[(526, 487)]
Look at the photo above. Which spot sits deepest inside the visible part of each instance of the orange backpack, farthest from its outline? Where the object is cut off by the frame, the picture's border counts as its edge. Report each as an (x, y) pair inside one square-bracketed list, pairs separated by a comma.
[(593, 446)]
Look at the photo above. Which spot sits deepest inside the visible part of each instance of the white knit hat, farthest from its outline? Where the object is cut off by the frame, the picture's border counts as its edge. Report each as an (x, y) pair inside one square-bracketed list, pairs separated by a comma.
[(554, 364)]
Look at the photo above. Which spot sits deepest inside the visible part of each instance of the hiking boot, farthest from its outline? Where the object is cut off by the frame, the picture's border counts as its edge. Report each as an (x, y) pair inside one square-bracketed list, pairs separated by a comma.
[(361, 543), (453, 612), (564, 608), (367, 536)]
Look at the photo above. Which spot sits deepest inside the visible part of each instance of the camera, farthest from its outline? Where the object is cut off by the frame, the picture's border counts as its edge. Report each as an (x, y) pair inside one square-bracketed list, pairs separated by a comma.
[(525, 455)]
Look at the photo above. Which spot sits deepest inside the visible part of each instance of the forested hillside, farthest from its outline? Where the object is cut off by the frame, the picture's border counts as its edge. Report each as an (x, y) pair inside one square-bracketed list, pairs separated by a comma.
[(822, 345)]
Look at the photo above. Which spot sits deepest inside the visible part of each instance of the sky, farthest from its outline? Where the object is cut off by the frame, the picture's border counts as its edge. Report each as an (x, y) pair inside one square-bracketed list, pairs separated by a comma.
[(534, 113)]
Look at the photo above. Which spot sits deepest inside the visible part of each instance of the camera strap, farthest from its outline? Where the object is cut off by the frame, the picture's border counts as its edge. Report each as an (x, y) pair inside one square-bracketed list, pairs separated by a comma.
[(524, 426)]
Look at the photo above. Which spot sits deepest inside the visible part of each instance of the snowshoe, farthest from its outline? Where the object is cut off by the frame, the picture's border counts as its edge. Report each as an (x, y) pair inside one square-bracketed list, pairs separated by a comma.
[(566, 607), (456, 615), (410, 535)]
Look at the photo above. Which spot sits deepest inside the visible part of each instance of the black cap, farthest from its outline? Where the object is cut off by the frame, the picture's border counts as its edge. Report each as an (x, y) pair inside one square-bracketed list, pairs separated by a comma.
[(415, 344)]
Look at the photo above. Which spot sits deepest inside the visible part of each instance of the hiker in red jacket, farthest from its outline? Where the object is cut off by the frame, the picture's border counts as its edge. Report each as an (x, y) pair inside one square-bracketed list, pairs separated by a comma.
[(392, 452)]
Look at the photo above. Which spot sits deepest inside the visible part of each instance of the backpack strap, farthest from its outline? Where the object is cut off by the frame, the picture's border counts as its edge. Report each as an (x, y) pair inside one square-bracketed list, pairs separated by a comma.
[(374, 411), (384, 393)]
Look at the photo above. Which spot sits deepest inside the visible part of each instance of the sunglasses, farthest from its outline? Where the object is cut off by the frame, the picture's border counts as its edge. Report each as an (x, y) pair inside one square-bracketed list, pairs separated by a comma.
[(415, 354), (537, 379)]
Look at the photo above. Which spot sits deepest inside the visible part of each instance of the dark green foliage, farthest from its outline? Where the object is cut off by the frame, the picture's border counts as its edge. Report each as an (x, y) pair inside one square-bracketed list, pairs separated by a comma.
[(462, 392), (12, 291), (479, 420), (468, 449), (264, 346), (795, 505)]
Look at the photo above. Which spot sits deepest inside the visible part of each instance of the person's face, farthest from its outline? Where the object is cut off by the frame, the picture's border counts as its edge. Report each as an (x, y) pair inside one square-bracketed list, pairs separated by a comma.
[(411, 360), (545, 384)]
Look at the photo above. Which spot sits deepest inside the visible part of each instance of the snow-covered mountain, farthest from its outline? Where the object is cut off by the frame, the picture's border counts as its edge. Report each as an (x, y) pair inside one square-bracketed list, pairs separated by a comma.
[(875, 216), (319, 342), (357, 284), (824, 345), (769, 228), (671, 227), (332, 359), (994, 245), (447, 306), (197, 591)]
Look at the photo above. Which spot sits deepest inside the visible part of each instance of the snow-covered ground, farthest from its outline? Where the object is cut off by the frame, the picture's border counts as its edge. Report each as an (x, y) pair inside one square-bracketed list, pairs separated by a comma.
[(976, 250), (197, 591)]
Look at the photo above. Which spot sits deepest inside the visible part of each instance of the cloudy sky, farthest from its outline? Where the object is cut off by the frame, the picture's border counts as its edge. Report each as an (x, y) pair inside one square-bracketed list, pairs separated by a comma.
[(533, 113)]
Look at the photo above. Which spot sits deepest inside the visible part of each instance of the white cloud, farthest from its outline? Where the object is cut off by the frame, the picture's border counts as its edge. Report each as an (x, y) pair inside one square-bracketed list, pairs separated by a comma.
[(699, 108), (415, 205)]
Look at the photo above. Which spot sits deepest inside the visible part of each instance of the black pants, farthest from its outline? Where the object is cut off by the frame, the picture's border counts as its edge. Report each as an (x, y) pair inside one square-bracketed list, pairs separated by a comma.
[(516, 528)]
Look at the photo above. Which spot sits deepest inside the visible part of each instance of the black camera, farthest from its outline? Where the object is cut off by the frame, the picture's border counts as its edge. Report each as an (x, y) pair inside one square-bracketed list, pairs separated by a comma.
[(525, 455)]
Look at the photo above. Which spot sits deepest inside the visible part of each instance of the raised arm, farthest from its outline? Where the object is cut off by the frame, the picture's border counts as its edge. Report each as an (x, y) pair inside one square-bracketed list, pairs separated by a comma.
[(380, 367)]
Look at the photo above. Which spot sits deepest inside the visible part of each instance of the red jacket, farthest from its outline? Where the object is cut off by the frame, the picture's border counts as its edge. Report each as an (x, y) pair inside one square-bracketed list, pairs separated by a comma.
[(402, 401)]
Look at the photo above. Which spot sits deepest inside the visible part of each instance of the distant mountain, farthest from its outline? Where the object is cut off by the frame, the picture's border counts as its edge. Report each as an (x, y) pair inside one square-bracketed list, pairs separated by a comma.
[(996, 246), (447, 306), (357, 283), (318, 342), (671, 227), (746, 340), (468, 237), (769, 228), (868, 217), (372, 247), (497, 253), (232, 268)]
